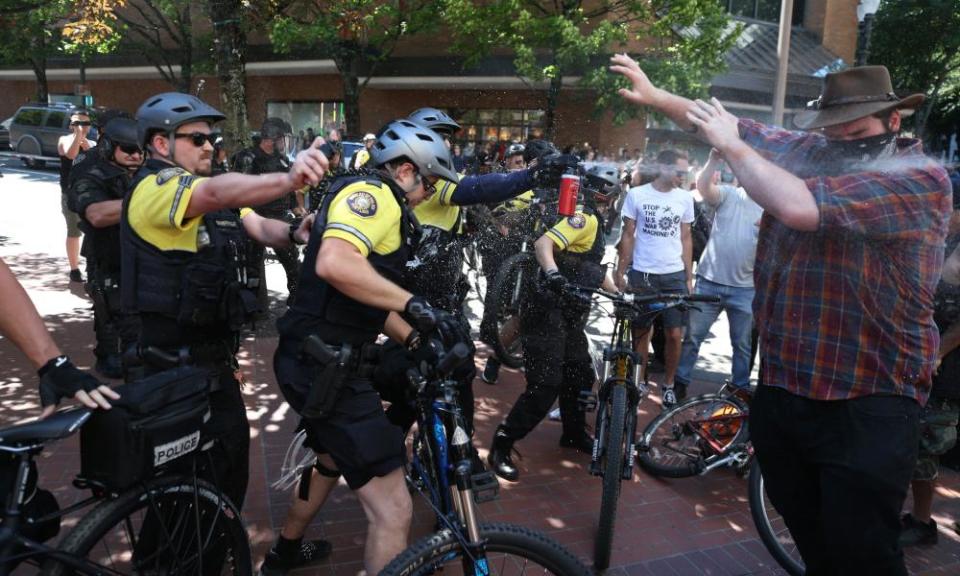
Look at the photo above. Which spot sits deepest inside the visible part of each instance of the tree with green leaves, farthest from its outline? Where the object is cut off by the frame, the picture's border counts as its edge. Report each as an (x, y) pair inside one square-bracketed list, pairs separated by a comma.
[(919, 42), (230, 59), (686, 40), (30, 37), (163, 32), (359, 35)]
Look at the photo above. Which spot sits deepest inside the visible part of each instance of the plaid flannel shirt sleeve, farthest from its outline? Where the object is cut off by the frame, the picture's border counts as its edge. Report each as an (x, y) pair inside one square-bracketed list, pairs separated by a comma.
[(904, 204)]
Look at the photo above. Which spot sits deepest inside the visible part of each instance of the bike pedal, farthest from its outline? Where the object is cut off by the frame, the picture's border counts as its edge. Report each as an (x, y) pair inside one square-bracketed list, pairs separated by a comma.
[(486, 487), (588, 401)]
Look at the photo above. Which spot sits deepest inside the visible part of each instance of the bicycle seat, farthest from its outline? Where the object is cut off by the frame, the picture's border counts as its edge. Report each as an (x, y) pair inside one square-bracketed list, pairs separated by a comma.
[(58, 425)]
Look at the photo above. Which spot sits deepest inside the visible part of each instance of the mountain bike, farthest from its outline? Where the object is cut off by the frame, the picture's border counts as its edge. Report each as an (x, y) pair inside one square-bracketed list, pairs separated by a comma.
[(621, 390), (168, 524), (513, 281), (708, 432), (441, 471)]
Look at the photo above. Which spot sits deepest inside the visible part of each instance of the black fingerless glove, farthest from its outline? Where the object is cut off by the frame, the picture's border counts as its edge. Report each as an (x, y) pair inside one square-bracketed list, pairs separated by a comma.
[(59, 378), (550, 168), (555, 282)]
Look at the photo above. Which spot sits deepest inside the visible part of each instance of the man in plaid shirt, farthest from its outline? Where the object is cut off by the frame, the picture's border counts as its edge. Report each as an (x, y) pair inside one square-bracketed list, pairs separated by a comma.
[(848, 259)]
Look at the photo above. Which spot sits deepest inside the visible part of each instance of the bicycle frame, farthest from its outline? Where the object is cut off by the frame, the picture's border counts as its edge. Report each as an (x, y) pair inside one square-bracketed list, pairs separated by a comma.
[(441, 431), (619, 369), (11, 522)]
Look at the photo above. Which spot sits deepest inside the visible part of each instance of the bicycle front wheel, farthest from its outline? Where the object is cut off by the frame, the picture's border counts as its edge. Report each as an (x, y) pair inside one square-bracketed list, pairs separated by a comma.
[(170, 525), (682, 441), (770, 526), (510, 549), (612, 460), (508, 296)]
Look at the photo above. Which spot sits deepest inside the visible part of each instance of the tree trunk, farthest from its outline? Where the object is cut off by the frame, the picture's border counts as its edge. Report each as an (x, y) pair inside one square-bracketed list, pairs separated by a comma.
[(229, 54), (186, 51), (549, 116), (348, 68), (40, 71)]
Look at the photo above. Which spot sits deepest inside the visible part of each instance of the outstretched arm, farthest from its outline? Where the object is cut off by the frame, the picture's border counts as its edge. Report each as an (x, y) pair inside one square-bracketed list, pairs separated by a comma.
[(644, 93), (491, 188)]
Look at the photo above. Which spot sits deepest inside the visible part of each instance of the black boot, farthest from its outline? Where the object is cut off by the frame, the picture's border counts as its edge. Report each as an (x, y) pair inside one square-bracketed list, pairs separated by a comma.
[(499, 458), (580, 441)]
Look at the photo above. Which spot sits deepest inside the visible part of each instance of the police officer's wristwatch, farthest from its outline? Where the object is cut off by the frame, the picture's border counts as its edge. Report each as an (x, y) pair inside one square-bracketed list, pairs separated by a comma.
[(292, 234)]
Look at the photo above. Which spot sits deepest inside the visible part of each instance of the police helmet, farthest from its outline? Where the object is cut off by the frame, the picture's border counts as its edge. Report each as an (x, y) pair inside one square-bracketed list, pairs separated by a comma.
[(436, 120), (515, 149), (536, 149), (602, 181), (120, 131), (274, 128), (404, 139), (369, 136), (165, 112)]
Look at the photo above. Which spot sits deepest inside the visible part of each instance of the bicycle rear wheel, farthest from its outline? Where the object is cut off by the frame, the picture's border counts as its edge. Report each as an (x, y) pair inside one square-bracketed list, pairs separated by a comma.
[(682, 441), (612, 461), (510, 550), (171, 525), (508, 287), (770, 526)]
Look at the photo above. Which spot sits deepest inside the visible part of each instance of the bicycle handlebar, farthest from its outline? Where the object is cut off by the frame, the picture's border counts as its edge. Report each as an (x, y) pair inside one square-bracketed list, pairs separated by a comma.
[(634, 299)]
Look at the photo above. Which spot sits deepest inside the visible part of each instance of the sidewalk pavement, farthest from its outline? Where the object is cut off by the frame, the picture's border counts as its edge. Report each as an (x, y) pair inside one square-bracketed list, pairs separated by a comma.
[(666, 527)]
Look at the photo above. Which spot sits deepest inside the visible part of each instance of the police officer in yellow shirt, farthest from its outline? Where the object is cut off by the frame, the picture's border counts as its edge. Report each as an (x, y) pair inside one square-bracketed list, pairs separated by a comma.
[(350, 292), (184, 266), (555, 349)]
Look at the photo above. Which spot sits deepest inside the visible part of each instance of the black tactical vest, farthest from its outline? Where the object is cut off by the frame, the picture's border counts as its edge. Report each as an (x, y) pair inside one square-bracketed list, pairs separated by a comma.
[(101, 246), (256, 161), (189, 298), (436, 270), (322, 309)]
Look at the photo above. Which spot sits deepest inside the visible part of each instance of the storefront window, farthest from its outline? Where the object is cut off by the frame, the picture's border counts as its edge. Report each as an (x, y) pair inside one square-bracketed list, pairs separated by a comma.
[(503, 125), (320, 116)]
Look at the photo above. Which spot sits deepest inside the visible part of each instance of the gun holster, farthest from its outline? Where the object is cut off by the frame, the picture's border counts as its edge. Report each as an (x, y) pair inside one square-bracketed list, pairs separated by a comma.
[(330, 367)]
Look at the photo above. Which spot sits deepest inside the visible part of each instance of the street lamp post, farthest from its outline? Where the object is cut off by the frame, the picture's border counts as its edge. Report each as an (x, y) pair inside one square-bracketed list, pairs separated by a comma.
[(865, 11)]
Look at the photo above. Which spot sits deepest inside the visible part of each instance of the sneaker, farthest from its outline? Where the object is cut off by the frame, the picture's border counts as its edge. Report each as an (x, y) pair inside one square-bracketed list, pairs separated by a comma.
[(668, 399), (491, 372), (311, 552), (75, 275), (554, 415), (916, 533)]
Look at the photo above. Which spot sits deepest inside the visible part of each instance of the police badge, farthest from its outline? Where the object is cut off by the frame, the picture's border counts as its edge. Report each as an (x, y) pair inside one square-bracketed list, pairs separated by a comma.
[(362, 204), (577, 221)]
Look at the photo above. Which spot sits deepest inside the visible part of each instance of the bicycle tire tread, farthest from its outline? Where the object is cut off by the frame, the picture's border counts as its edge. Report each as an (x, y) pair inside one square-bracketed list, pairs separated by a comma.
[(612, 473)]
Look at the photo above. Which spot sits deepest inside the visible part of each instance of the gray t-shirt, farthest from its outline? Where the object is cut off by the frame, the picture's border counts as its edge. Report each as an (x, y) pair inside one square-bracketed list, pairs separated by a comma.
[(732, 248)]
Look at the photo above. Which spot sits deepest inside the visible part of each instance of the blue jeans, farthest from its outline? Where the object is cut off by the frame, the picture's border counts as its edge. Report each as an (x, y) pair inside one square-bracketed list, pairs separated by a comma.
[(738, 304)]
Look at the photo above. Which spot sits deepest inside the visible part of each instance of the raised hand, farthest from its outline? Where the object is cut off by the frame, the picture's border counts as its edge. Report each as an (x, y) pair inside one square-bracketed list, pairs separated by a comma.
[(714, 124), (643, 91)]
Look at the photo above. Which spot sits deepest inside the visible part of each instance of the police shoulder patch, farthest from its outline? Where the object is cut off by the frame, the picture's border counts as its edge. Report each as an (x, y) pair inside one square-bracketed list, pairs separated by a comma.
[(168, 174), (362, 204), (577, 221)]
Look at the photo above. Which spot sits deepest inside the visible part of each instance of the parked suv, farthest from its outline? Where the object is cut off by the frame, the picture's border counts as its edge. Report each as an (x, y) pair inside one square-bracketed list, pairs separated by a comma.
[(36, 129)]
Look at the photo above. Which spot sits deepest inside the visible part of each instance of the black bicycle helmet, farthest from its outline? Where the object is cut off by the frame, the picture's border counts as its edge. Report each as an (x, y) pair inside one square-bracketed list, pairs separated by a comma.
[(603, 182), (165, 112), (122, 131), (536, 149), (404, 139), (436, 120), (274, 128), (515, 149)]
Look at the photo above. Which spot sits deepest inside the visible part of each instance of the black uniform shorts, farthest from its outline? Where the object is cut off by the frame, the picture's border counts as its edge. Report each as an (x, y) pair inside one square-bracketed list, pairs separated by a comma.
[(358, 436), (673, 283)]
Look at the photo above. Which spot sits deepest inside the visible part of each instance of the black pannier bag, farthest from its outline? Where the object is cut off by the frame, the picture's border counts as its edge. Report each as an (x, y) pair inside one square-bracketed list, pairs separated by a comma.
[(156, 422)]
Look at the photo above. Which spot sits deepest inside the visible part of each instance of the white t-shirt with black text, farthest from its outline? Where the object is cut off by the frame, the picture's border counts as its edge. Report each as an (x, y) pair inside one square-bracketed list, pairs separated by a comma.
[(658, 248)]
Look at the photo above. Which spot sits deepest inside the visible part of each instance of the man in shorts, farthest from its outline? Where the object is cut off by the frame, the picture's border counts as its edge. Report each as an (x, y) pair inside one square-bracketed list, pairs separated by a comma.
[(657, 245)]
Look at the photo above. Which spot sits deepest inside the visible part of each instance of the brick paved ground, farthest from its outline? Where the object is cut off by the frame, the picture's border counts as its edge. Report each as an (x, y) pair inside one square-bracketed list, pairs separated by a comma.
[(691, 526)]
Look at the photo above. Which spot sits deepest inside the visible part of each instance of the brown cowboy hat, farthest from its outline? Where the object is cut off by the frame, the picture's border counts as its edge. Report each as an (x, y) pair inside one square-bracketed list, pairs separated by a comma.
[(852, 94)]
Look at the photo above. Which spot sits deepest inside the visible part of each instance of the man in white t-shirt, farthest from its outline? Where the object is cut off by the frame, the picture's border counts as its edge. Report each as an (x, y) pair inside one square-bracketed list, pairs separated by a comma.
[(657, 245), (725, 270)]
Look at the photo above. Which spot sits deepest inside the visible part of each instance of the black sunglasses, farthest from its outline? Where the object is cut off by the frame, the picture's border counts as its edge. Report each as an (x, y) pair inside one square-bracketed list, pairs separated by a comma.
[(81, 123), (198, 138), (130, 149)]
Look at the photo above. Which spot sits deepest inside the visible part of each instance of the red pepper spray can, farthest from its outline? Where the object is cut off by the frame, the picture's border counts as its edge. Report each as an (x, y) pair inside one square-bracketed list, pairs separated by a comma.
[(569, 190)]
